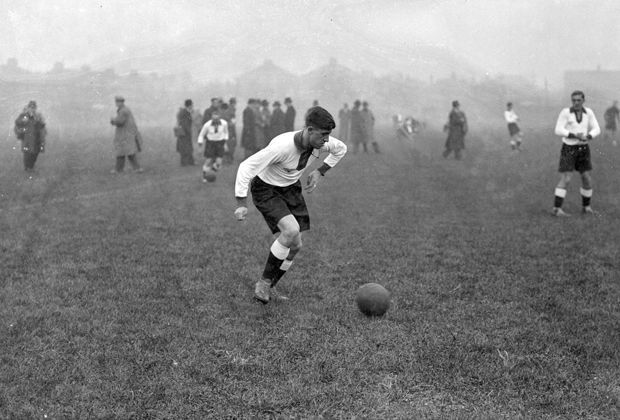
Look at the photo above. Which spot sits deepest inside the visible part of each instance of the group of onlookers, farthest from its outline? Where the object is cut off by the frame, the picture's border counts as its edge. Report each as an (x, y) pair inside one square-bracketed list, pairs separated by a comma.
[(357, 126), (261, 124), (262, 121), (190, 123)]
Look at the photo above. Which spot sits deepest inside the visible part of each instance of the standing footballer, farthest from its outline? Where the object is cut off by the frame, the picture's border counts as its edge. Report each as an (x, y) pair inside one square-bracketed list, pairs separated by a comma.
[(273, 174), (576, 125)]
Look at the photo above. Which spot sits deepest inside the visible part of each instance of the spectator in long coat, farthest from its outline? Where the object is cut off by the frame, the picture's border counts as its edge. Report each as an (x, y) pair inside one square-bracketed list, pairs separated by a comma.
[(248, 133), (266, 114), (229, 113), (277, 120), (259, 124), (357, 128), (30, 129), (127, 138), (368, 119), (456, 128), (289, 115), (344, 115), (184, 134)]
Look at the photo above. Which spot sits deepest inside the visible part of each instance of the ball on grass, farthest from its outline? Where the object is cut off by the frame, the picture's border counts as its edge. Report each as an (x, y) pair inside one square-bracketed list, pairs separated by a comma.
[(372, 299), (209, 176)]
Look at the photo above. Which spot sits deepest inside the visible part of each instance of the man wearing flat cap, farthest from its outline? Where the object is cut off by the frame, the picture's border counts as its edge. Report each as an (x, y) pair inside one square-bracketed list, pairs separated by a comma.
[(127, 138)]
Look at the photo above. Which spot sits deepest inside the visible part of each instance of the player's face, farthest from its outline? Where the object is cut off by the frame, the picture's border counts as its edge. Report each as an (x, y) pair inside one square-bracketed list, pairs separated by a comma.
[(317, 138), (577, 101)]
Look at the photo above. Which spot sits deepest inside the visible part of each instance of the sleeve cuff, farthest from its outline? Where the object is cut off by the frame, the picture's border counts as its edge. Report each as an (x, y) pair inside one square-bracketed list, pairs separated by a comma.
[(324, 168), (242, 201)]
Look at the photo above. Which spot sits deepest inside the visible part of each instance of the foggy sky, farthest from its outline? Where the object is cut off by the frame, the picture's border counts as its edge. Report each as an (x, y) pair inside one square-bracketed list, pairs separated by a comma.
[(536, 38)]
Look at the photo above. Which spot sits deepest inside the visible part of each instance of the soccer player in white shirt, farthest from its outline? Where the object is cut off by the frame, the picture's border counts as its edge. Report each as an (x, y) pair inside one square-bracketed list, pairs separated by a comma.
[(272, 174), (216, 132), (577, 126), (516, 137)]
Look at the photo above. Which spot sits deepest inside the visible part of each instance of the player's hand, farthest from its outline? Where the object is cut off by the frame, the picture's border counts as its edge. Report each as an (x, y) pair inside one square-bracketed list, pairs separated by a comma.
[(241, 212), (312, 181)]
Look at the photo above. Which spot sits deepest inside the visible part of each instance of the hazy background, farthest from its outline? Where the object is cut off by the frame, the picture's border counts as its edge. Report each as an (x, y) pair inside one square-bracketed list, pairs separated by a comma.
[(221, 39), (409, 57)]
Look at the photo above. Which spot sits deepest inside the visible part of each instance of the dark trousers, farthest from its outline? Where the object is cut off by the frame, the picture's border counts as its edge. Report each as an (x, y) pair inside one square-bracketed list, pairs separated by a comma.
[(29, 160), (120, 162)]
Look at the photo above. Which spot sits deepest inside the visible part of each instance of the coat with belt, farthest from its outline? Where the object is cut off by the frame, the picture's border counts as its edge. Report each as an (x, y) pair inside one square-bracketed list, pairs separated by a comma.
[(127, 138)]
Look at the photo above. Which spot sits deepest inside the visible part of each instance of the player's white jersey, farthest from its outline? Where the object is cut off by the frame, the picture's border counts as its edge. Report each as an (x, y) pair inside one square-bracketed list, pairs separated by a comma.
[(567, 123), (283, 161)]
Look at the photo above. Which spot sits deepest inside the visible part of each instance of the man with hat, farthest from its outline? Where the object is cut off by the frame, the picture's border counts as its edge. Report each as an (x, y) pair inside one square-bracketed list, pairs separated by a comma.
[(127, 138), (183, 132), (289, 115), (30, 129), (277, 120)]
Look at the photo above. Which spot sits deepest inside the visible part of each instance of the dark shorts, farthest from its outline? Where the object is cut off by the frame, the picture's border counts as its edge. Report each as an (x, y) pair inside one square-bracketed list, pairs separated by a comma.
[(575, 158), (214, 149), (276, 202), (513, 129)]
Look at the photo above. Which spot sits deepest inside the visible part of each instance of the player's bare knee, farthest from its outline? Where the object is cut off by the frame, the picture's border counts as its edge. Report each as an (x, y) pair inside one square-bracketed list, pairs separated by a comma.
[(290, 234)]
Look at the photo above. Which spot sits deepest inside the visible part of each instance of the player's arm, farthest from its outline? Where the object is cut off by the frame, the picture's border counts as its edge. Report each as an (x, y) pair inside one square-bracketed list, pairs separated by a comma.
[(203, 133), (248, 169), (336, 149), (560, 125)]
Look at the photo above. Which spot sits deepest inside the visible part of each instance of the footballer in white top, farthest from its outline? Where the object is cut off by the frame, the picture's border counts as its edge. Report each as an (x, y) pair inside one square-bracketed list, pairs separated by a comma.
[(273, 176), (577, 126)]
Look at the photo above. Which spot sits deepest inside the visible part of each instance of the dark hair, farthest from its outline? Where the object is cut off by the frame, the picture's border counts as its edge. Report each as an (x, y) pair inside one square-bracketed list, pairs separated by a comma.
[(287, 100), (509, 104), (455, 103), (320, 118), (224, 106), (578, 92), (188, 102)]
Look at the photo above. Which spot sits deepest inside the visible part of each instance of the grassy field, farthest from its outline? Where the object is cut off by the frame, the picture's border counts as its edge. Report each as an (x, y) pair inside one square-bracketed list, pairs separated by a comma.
[(130, 296)]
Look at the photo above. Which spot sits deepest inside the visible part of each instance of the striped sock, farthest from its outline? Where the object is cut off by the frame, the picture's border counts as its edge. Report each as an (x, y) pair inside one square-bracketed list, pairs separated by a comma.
[(560, 193), (586, 196)]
